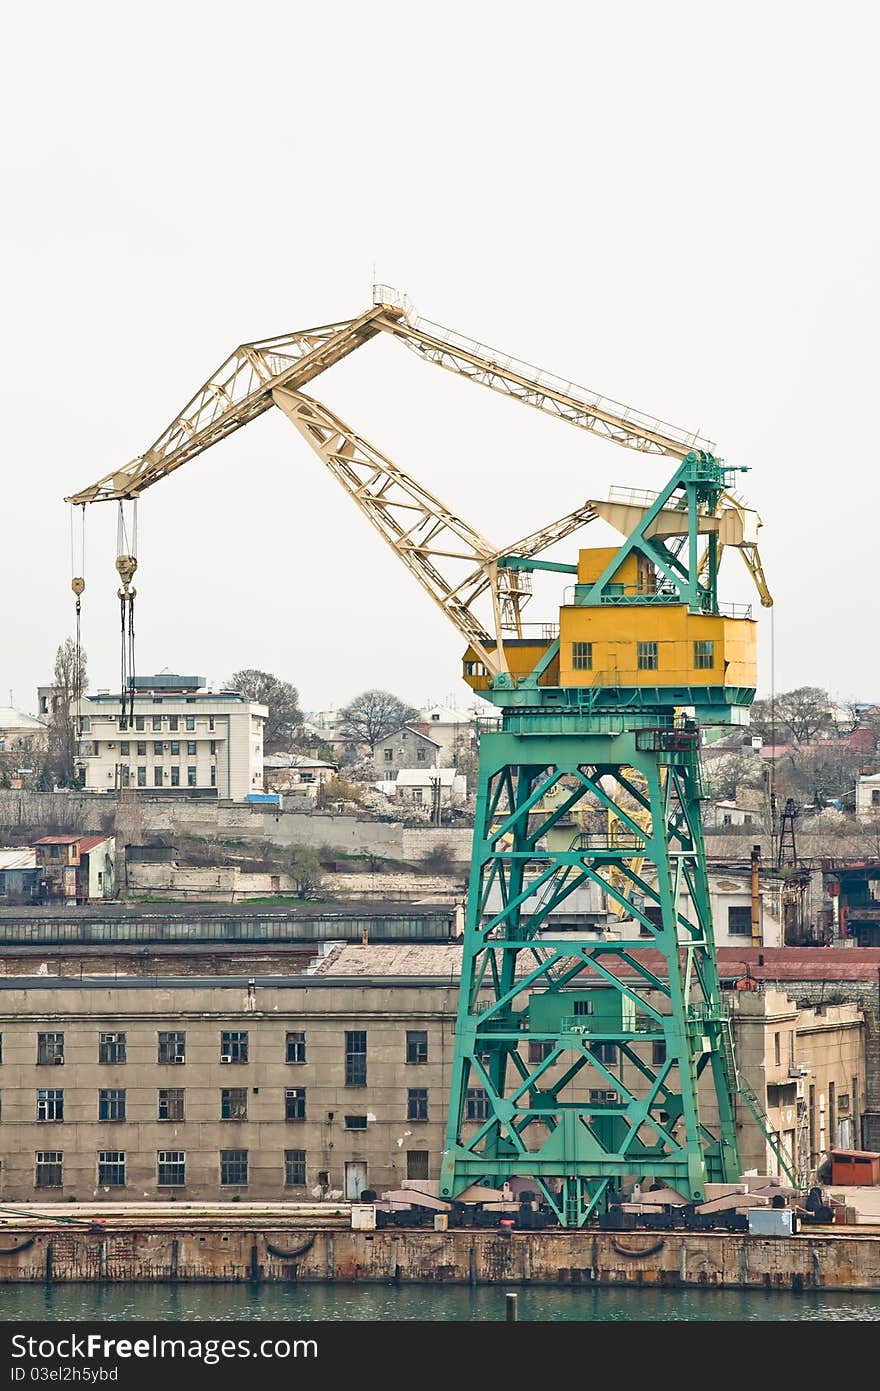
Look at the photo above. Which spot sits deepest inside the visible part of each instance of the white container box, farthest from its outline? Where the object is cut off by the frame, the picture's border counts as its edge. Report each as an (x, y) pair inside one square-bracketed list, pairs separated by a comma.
[(771, 1221), (363, 1217)]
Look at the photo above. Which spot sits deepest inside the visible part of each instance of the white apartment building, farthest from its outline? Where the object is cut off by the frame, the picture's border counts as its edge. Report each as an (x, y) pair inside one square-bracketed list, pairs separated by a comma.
[(181, 739)]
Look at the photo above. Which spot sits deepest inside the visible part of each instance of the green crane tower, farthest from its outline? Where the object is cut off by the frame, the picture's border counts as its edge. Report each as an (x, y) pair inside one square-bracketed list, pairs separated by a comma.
[(584, 1061)]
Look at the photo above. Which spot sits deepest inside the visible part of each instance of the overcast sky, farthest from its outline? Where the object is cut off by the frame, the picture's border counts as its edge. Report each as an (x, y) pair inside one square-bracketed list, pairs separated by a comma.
[(675, 204)]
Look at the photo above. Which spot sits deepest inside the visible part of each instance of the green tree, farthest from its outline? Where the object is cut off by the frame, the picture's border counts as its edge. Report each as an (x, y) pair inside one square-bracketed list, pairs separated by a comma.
[(372, 716), (303, 864), (282, 700)]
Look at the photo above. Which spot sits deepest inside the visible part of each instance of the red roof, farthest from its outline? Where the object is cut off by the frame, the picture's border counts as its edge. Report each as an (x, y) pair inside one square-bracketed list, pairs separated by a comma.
[(779, 963), (88, 843), (85, 843)]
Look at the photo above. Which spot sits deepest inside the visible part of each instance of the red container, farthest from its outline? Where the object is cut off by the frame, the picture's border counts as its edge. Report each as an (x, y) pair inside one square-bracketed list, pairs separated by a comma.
[(855, 1168)]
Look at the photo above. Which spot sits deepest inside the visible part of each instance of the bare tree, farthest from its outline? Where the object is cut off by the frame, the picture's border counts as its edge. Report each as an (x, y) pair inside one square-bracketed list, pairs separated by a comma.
[(70, 684), (795, 717), (372, 715), (282, 700)]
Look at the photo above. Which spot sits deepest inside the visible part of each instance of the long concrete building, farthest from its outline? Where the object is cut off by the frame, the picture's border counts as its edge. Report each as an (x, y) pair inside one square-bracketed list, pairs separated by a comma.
[(326, 1083)]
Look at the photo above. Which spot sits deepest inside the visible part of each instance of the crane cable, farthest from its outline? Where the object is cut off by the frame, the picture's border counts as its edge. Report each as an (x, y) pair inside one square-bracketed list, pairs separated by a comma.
[(78, 585), (126, 564)]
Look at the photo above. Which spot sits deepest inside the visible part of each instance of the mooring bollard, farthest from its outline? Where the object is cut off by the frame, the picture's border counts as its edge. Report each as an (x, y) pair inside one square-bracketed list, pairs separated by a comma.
[(510, 1300)]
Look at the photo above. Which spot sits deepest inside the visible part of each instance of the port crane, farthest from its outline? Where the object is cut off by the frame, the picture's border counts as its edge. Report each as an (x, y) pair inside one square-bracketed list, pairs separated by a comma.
[(579, 1063)]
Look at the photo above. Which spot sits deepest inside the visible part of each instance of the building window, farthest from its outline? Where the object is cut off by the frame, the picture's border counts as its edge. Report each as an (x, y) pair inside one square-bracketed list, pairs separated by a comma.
[(606, 1098), (123, 722), (704, 655), (875, 797), (233, 1167), (647, 656), (49, 1169), (213, 775), (125, 774), (173, 722), (157, 722), (417, 1163), (124, 747), (111, 1169), (190, 721), (389, 755), (175, 775), (418, 794), (355, 1122), (539, 1049), (172, 1047), (50, 1104), (295, 1046), (605, 1052), (417, 1104), (175, 748), (476, 1104), (658, 1053), (142, 777), (582, 1007), (138, 721), (191, 747), (141, 749), (739, 921), (50, 1048), (420, 755), (213, 746), (233, 1104), (294, 1103), (582, 656), (157, 777), (210, 721), (190, 777), (85, 724), (416, 1046), (157, 749), (171, 1104), (111, 1104), (777, 1051), (475, 669), (294, 1168), (233, 1046), (171, 1169), (356, 1059)]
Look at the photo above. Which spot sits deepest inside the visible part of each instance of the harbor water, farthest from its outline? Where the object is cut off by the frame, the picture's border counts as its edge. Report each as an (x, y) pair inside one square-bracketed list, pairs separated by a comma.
[(389, 1303)]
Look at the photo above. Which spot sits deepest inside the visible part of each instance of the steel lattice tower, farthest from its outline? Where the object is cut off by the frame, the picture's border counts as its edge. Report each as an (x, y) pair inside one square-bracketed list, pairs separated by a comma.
[(581, 1062)]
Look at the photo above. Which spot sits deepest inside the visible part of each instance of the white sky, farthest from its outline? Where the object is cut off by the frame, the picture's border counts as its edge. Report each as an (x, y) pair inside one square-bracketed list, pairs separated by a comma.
[(673, 203)]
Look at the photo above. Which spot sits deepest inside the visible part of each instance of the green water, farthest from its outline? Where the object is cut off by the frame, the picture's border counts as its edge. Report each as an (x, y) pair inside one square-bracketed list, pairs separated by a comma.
[(383, 1303)]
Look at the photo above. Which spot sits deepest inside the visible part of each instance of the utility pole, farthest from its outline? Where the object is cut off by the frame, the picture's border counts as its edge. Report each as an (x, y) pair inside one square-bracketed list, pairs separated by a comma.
[(756, 896)]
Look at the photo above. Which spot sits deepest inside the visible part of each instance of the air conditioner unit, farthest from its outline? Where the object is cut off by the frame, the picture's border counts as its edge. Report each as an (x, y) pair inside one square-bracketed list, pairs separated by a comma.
[(226, 1058), (58, 1061), (180, 1058), (798, 1072), (165, 746)]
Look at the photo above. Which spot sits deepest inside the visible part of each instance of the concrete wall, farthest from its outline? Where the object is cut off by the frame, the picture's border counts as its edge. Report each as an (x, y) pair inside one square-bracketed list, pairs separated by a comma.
[(357, 835), (220, 1251), (229, 883)]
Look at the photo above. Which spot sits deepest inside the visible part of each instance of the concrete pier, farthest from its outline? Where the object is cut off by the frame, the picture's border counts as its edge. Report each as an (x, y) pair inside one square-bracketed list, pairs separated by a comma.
[(208, 1249)]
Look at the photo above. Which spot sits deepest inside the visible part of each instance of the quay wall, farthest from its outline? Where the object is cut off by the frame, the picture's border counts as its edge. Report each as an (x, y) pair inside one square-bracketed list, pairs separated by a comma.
[(258, 1253)]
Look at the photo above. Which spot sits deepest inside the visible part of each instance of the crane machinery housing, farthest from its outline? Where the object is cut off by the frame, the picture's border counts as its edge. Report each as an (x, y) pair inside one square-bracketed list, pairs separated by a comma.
[(583, 1061)]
